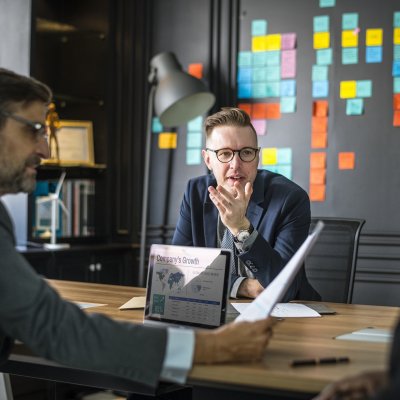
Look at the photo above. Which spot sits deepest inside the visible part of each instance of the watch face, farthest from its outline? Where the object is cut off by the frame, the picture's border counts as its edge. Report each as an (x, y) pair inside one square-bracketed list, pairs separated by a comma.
[(242, 236)]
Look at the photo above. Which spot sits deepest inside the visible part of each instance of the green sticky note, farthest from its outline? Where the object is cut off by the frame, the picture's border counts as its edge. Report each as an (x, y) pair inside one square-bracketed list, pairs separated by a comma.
[(319, 73), (273, 89), (259, 90), (244, 59), (288, 104), (284, 155), (156, 126), (321, 23), (273, 57), (194, 140), (259, 58), (396, 84), (396, 52), (259, 27), (349, 55), (273, 73), (349, 21), (327, 3), (193, 156), (285, 170), (271, 168), (396, 19), (324, 57), (195, 125), (364, 88), (354, 106), (259, 74)]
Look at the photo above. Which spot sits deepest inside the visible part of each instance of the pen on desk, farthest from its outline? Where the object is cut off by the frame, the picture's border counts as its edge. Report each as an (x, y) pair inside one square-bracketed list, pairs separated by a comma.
[(319, 361)]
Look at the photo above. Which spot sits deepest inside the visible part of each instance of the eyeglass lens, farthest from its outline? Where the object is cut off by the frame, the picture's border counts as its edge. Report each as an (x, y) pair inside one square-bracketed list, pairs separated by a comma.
[(247, 154)]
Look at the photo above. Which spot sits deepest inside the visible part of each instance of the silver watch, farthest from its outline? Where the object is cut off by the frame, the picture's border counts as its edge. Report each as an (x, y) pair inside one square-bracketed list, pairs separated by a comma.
[(243, 234)]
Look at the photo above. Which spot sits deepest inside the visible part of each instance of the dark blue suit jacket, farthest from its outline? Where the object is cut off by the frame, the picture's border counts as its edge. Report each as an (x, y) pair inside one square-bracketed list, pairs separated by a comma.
[(278, 209)]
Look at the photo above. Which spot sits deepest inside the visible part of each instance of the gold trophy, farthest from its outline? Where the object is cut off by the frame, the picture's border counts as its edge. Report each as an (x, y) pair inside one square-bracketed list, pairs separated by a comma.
[(53, 123)]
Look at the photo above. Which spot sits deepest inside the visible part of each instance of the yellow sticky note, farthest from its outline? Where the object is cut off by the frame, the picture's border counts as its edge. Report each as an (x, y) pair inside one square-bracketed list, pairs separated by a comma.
[(396, 36), (348, 89), (167, 140), (349, 39), (374, 37), (270, 156), (259, 43), (273, 42), (322, 40)]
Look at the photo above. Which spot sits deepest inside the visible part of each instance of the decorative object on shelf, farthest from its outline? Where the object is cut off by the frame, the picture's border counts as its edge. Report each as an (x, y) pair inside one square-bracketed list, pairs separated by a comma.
[(53, 123), (177, 98)]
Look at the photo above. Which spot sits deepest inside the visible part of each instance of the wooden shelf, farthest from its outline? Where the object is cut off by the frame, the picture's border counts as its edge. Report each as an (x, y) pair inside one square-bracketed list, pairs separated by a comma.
[(53, 171)]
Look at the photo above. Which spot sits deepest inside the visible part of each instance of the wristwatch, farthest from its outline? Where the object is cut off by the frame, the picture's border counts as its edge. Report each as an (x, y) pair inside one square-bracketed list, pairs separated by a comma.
[(243, 234)]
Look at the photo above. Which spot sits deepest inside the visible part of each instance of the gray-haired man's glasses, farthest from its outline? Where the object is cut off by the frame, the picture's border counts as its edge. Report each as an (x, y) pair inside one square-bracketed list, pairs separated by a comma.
[(38, 130), (247, 154)]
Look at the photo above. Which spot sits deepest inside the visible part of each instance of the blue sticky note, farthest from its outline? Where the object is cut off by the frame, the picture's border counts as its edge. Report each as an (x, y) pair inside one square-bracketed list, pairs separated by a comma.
[(320, 73), (327, 3), (324, 57), (373, 54), (354, 106), (194, 140), (349, 55), (259, 27), (288, 104), (244, 74), (273, 89), (193, 156), (244, 59), (259, 58), (259, 90), (364, 88), (273, 57), (321, 23), (349, 21), (195, 125), (396, 19), (396, 68), (288, 88), (396, 85), (244, 91), (396, 52), (320, 89), (156, 126), (273, 73), (284, 155), (285, 170), (259, 74)]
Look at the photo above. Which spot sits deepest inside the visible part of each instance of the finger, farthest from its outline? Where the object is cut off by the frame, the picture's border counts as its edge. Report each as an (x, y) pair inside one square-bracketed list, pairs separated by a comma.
[(220, 207), (227, 194), (239, 190), (248, 190)]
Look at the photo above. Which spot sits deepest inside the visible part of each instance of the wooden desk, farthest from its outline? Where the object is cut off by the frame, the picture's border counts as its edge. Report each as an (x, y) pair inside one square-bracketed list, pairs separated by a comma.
[(293, 338)]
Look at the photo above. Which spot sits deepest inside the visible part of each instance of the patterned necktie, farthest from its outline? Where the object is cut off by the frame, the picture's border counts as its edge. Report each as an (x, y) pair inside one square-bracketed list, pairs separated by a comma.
[(227, 243)]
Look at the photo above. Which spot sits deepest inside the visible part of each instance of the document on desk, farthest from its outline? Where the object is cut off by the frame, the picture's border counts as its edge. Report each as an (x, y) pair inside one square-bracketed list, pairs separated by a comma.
[(370, 334), (82, 305), (134, 302), (284, 310)]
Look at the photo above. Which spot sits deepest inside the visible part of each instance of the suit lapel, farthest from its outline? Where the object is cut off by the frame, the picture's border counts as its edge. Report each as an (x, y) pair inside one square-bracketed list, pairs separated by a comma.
[(254, 211), (210, 215)]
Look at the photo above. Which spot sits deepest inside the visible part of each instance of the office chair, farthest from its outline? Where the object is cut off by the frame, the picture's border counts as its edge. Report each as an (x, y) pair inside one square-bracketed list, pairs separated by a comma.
[(331, 265)]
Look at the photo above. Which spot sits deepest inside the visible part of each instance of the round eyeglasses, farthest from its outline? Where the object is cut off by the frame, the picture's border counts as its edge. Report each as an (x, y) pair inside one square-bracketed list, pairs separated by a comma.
[(38, 130), (247, 154)]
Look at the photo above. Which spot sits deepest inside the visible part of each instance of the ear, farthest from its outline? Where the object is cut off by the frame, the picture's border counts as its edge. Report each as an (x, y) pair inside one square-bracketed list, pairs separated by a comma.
[(206, 158)]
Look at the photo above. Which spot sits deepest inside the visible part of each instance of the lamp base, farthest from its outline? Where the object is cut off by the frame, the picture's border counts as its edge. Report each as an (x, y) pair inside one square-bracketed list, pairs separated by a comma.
[(56, 246)]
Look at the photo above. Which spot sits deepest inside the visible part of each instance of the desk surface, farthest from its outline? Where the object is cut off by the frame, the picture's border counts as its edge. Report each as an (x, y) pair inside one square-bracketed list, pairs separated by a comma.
[(293, 338)]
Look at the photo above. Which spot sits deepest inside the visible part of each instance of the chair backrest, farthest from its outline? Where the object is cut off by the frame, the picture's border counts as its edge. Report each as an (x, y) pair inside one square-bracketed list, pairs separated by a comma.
[(331, 265)]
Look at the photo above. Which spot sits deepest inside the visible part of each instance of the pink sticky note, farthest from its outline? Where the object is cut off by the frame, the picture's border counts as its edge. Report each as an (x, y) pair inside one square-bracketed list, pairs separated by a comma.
[(288, 41), (288, 64), (260, 125)]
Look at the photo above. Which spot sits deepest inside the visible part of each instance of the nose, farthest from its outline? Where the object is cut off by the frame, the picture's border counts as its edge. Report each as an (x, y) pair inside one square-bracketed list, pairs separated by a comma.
[(235, 161), (42, 148)]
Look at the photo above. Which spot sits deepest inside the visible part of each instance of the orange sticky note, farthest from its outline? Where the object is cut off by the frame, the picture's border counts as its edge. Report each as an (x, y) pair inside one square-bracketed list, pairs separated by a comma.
[(346, 160), (317, 192), (320, 108), (319, 124), (167, 140), (317, 160), (246, 107), (259, 111), (396, 118), (396, 101), (196, 70), (319, 140), (273, 111), (317, 176)]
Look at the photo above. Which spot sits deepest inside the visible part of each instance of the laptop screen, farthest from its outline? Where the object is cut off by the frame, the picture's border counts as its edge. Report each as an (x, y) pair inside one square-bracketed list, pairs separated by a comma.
[(187, 285)]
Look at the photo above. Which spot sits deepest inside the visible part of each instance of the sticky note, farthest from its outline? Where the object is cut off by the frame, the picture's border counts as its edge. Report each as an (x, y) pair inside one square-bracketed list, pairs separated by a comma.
[(318, 160), (196, 70), (327, 3), (194, 140), (273, 42), (259, 27), (321, 23), (193, 156), (269, 156), (273, 73), (288, 64), (273, 57), (396, 68), (324, 57), (260, 126), (273, 111), (317, 176), (196, 124), (396, 102), (156, 126), (319, 124), (288, 104), (317, 192), (373, 54), (396, 19), (396, 85), (364, 88), (319, 140), (273, 89), (259, 43), (271, 168), (244, 74), (167, 140), (346, 160), (244, 90), (349, 21), (349, 39), (321, 40), (259, 59), (396, 36), (284, 155), (288, 88), (259, 90), (320, 89), (320, 73), (354, 106), (374, 37), (285, 170), (350, 55), (259, 74), (396, 118), (348, 89), (320, 108), (259, 111), (288, 41), (245, 107), (244, 59), (396, 52)]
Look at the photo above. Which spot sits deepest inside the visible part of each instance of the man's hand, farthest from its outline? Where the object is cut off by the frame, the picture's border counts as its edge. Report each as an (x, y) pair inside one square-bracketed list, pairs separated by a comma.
[(355, 387), (234, 342), (232, 205), (250, 288)]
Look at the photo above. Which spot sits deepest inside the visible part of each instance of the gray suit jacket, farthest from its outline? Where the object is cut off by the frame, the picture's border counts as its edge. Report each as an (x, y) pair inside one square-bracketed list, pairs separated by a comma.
[(32, 312)]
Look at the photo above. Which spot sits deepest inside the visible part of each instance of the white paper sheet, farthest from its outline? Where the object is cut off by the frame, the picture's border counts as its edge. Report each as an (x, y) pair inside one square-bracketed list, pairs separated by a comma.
[(284, 310)]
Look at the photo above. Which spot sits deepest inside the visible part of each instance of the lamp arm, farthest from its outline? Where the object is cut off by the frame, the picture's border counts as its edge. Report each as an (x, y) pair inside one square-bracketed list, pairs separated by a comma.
[(146, 178)]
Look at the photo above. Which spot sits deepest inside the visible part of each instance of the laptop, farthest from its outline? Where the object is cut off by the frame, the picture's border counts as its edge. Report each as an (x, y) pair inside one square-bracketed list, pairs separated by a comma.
[(262, 306), (187, 286)]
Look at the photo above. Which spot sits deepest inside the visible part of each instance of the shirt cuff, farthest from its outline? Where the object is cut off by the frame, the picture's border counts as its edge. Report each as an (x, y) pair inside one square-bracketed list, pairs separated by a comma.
[(178, 355), (235, 286), (246, 245)]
